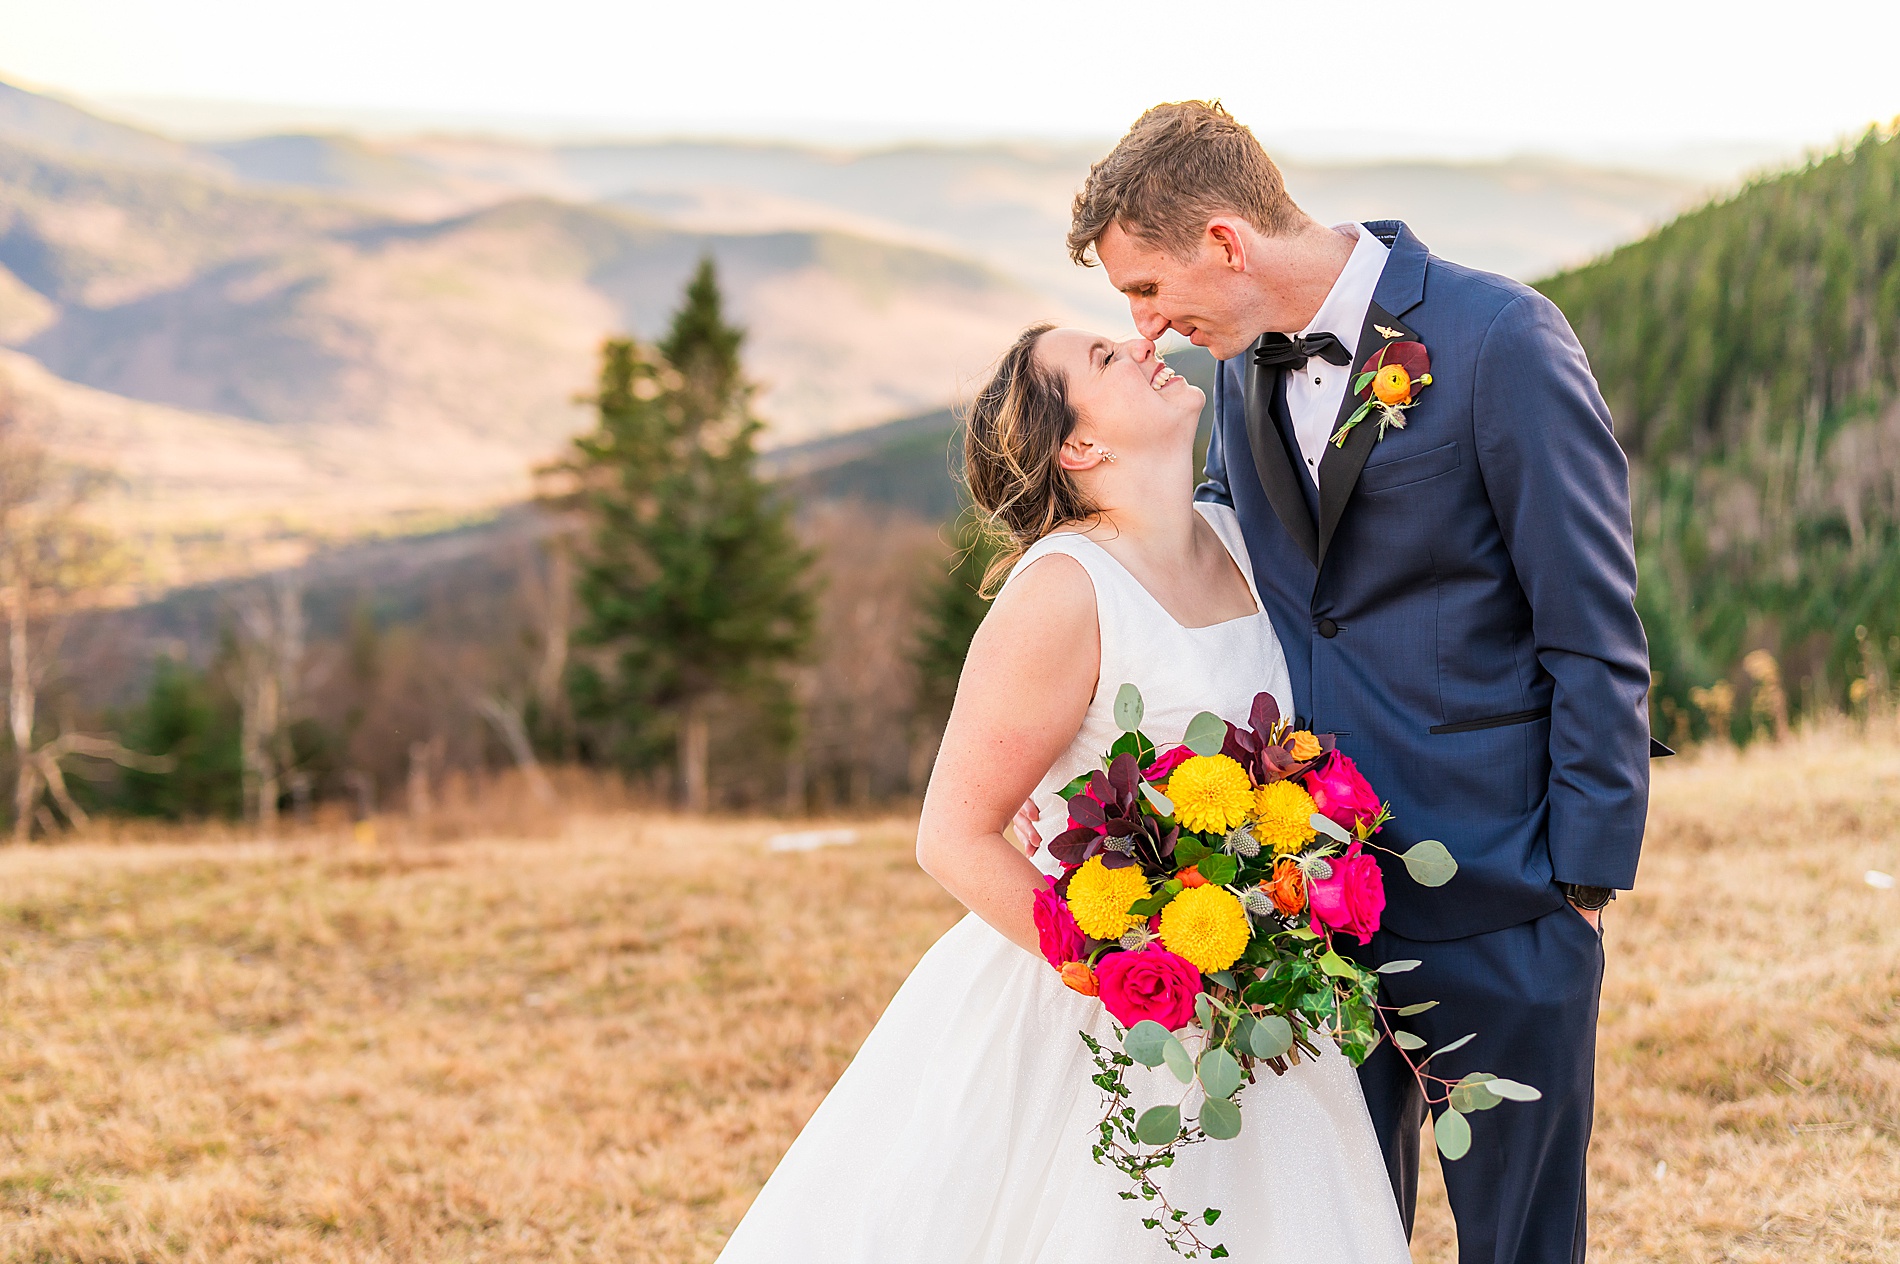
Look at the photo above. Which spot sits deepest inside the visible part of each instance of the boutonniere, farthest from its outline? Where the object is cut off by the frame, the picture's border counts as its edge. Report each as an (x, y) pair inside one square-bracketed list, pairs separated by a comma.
[(1390, 384)]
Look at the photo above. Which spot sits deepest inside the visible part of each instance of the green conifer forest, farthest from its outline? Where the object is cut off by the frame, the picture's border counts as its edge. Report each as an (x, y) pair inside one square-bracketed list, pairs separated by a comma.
[(1750, 352)]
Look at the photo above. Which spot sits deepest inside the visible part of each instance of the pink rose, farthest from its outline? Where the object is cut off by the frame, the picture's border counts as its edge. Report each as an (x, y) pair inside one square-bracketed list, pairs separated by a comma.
[(1166, 764), (1152, 983), (1352, 899), (1341, 794), (1060, 939)]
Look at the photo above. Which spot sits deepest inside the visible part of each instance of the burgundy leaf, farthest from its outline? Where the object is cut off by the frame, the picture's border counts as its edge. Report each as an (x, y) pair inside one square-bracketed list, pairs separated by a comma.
[(1075, 846), (1086, 812), (1266, 714)]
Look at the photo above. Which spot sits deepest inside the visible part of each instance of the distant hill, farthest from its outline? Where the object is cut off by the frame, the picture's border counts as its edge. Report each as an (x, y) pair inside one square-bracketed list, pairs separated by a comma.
[(1008, 204), (386, 332), (1750, 352), (916, 463)]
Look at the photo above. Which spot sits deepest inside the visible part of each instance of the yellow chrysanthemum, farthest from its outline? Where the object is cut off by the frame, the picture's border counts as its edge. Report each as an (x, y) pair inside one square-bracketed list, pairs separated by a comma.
[(1099, 898), (1211, 794), (1207, 925), (1283, 814)]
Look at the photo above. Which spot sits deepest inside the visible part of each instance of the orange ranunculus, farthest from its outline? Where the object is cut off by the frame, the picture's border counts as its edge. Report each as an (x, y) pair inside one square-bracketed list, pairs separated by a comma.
[(1082, 979), (1191, 877), (1286, 888), (1393, 385), (1303, 746)]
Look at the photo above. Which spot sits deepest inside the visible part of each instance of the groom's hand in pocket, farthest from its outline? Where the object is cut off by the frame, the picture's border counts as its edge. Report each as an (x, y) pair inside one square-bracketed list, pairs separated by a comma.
[(1592, 916), (1024, 823)]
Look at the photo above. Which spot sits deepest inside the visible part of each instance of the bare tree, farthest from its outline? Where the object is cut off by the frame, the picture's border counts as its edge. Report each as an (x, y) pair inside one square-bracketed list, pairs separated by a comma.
[(505, 716), (267, 674), (53, 562)]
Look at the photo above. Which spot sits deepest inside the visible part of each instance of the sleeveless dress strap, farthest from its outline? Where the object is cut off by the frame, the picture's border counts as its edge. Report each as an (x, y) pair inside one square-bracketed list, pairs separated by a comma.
[(1121, 614)]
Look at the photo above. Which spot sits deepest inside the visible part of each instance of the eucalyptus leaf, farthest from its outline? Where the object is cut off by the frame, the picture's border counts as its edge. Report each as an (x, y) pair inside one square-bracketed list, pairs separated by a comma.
[(1406, 1040), (1144, 1040), (1329, 827), (1224, 978), (1220, 1073), (1128, 708), (1473, 1093), (1453, 1135), (1272, 1036), (1204, 1011), (1159, 801), (1337, 966), (1511, 1090), (1399, 967), (1175, 1054), (1206, 734), (1409, 1010), (1459, 1043), (1429, 863), (1220, 1119), (1158, 1125)]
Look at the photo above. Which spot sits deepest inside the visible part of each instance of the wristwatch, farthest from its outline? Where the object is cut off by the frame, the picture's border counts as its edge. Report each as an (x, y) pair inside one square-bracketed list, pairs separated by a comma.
[(1583, 897)]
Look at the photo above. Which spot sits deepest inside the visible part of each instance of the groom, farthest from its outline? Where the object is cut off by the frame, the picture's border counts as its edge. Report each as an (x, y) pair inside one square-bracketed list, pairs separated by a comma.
[(1455, 598)]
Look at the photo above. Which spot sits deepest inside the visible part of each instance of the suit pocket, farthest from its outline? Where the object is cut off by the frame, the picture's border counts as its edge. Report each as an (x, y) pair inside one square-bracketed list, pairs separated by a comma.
[(1492, 722), (1405, 471)]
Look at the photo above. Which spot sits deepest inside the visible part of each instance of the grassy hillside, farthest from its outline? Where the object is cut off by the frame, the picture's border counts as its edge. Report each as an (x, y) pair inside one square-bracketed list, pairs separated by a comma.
[(593, 1037), (1750, 352)]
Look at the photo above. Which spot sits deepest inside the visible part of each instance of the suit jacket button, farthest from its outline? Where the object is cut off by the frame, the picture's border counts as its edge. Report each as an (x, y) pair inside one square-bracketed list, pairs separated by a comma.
[(1328, 629)]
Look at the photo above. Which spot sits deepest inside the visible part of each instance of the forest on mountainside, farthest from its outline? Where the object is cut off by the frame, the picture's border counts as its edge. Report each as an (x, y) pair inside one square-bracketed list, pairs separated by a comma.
[(1750, 353)]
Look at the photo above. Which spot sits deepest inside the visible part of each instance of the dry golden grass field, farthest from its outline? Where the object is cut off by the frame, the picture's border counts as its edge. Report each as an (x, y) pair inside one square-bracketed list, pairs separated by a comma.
[(594, 1045)]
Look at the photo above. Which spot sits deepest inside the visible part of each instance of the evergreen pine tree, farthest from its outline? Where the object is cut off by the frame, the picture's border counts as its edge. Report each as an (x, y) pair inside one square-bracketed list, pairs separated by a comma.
[(693, 591)]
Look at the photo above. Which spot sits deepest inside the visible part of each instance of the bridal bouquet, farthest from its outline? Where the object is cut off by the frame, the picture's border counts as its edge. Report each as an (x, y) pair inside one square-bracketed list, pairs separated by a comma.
[(1202, 889)]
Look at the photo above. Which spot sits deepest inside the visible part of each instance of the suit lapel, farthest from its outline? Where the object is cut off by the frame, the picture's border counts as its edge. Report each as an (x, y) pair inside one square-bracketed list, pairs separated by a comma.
[(1339, 468), (1277, 476)]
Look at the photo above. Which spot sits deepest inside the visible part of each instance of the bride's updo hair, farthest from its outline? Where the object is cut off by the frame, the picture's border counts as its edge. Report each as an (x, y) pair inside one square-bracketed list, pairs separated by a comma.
[(1015, 431)]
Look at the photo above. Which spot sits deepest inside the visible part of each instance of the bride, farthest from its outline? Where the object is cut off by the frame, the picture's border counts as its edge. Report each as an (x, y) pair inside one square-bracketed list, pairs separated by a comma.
[(960, 1134)]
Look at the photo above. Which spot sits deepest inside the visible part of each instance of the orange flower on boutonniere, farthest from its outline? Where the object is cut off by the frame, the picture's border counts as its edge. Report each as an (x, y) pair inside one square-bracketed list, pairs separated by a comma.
[(1389, 385)]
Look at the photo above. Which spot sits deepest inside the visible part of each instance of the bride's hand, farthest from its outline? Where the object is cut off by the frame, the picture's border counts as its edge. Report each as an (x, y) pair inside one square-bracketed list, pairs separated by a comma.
[(1024, 823)]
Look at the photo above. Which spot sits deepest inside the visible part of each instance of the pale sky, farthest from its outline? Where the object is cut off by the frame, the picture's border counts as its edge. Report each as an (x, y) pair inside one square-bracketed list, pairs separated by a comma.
[(1459, 76)]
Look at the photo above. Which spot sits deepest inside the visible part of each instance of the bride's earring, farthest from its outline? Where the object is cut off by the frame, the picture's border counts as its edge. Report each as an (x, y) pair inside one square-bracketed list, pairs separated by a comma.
[(1103, 452)]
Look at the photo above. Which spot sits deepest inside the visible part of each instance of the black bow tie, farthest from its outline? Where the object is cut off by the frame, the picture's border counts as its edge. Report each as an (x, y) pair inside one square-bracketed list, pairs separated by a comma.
[(1279, 351)]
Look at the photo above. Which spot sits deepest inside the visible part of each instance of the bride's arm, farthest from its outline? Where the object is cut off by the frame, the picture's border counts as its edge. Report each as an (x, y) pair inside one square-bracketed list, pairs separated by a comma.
[(1026, 685)]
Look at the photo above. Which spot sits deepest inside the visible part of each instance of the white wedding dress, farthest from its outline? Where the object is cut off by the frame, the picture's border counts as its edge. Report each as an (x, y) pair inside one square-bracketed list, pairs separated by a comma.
[(960, 1134)]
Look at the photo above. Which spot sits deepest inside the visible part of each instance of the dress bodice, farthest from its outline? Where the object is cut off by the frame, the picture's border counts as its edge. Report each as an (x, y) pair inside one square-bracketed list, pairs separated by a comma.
[(1180, 671)]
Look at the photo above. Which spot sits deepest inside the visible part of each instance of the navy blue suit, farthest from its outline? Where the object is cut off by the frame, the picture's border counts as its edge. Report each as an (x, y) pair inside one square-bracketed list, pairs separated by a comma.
[(1457, 603)]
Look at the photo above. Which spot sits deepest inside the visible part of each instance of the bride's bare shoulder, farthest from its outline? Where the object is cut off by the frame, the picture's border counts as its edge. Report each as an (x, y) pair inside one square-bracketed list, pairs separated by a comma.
[(1048, 603), (1041, 642)]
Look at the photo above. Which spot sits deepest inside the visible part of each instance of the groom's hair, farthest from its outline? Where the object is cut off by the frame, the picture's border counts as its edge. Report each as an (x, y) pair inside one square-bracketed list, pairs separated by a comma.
[(1180, 165)]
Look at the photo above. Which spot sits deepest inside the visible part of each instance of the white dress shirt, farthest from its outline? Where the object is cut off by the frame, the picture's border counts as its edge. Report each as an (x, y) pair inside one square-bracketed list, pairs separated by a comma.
[(1314, 394)]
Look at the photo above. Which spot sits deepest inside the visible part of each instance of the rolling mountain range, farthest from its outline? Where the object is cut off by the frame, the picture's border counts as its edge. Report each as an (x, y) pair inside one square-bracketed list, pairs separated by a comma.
[(284, 339)]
